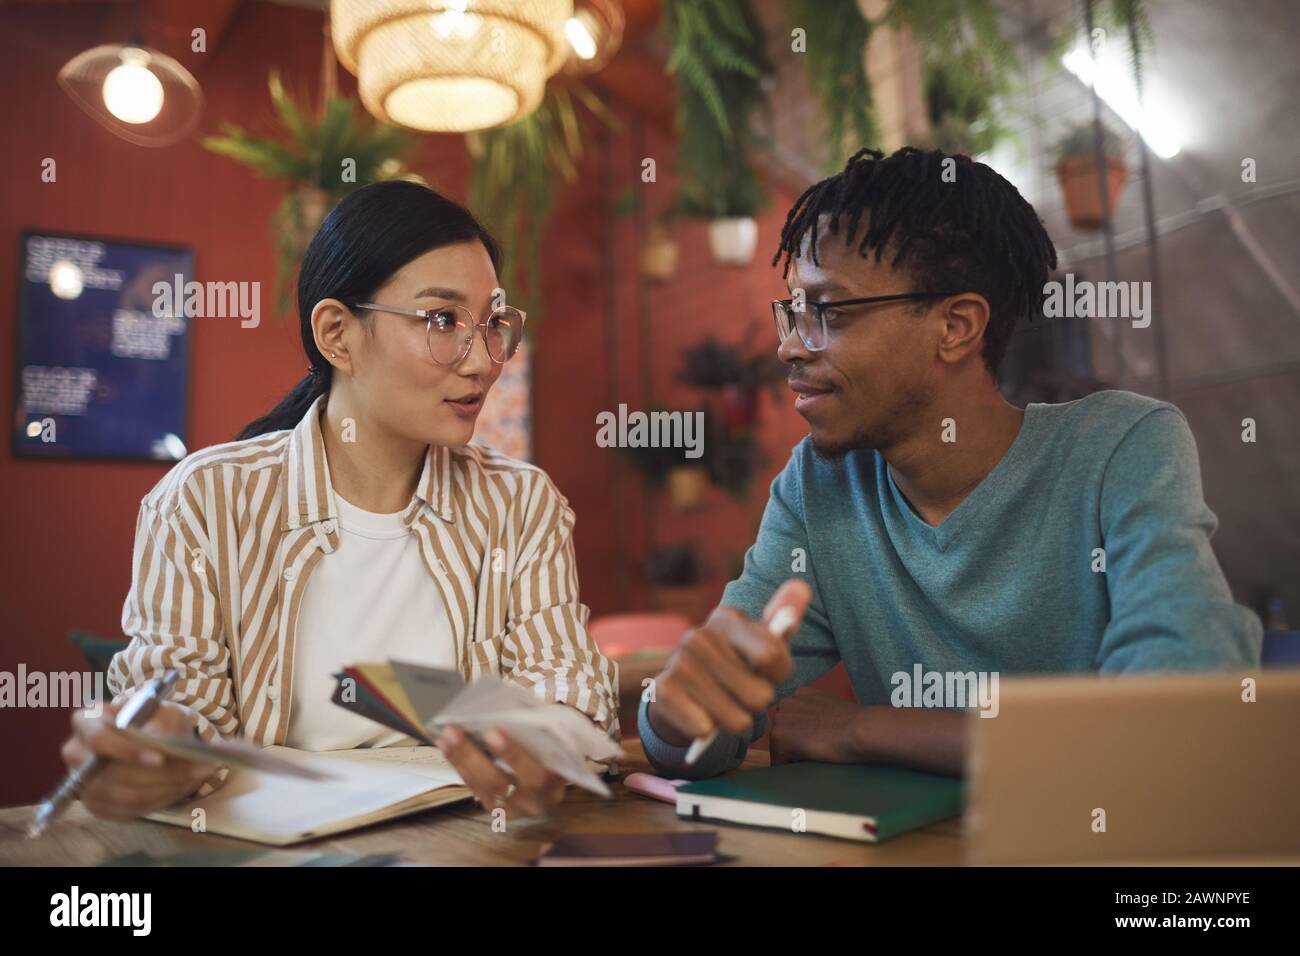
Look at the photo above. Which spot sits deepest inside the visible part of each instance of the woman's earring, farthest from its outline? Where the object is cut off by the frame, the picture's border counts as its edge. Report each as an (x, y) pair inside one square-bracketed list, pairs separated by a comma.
[(332, 355)]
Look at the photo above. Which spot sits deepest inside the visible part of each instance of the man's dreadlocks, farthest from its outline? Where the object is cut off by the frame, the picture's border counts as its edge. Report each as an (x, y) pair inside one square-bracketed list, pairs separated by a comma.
[(969, 230)]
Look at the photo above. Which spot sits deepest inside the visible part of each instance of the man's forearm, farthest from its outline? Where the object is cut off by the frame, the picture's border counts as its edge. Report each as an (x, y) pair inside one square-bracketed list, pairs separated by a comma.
[(930, 740)]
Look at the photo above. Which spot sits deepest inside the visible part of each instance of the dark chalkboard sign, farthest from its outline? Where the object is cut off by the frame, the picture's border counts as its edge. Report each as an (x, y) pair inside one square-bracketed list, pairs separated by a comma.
[(102, 372)]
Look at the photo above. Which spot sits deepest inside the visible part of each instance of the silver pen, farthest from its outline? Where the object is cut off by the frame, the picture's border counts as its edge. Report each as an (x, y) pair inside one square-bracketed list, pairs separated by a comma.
[(136, 712)]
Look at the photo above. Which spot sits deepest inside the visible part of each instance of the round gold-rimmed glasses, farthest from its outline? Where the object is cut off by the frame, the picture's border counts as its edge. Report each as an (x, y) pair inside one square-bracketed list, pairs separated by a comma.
[(449, 330)]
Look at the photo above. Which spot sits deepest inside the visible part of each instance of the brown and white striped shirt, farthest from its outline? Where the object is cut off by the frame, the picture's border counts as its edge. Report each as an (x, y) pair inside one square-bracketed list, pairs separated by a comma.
[(226, 541)]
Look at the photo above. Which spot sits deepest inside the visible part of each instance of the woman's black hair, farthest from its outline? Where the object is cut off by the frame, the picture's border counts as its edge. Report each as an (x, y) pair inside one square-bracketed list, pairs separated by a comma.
[(365, 239)]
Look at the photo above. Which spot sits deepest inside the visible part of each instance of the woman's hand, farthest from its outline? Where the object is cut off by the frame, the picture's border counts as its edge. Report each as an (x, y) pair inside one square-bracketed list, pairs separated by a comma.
[(531, 791), (137, 779)]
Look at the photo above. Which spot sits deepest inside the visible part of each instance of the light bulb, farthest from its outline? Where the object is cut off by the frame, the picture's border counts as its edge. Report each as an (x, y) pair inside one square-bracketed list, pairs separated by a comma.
[(65, 279), (579, 35), (131, 92)]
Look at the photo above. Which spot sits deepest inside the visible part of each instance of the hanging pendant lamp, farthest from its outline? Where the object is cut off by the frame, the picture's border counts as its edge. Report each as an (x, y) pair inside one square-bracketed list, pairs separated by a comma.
[(451, 65)]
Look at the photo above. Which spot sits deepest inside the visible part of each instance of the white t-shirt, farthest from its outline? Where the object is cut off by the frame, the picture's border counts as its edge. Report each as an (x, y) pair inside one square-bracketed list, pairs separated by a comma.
[(371, 599)]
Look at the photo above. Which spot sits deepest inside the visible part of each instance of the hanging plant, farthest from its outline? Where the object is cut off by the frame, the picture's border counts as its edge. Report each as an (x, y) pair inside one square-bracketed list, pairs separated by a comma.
[(720, 62), (712, 364), (513, 172), (837, 35), (1080, 177), (659, 252), (736, 373), (963, 115), (1123, 18), (321, 158), (968, 68)]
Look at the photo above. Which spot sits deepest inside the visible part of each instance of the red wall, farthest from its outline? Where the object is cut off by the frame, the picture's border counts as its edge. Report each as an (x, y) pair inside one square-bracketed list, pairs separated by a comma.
[(68, 526)]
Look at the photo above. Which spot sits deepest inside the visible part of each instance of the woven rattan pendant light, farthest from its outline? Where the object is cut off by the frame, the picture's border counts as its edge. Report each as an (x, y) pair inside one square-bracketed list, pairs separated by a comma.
[(451, 65)]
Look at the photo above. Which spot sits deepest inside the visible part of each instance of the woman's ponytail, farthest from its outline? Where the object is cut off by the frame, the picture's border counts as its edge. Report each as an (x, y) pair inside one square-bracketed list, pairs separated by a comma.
[(293, 406)]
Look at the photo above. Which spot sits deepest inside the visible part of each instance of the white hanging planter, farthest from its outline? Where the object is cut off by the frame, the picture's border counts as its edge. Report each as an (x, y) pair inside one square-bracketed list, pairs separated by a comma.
[(733, 240)]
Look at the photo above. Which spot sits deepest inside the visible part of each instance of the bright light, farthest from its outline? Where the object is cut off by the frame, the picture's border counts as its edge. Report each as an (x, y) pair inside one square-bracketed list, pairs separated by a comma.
[(1118, 92), (580, 38), (455, 23), (169, 447), (65, 279), (131, 92)]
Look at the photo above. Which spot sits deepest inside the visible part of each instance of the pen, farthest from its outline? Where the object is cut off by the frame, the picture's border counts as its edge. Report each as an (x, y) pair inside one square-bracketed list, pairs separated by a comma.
[(782, 621), (142, 705)]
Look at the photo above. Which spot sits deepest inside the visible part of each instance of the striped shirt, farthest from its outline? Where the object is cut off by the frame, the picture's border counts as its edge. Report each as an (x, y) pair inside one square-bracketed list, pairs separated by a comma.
[(226, 542)]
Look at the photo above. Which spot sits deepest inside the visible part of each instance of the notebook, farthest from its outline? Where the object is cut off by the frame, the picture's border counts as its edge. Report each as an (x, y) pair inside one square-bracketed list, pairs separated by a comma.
[(849, 801), (366, 786), (632, 849)]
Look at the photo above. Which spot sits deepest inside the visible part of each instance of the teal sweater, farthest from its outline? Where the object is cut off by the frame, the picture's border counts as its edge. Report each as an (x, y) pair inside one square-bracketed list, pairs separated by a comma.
[(1007, 582)]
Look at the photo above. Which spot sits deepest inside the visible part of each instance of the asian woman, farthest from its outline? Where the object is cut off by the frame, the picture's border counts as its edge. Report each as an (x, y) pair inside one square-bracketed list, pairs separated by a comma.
[(355, 522)]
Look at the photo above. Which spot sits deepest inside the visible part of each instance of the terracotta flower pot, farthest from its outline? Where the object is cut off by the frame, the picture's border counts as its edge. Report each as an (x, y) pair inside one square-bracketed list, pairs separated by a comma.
[(1082, 190), (686, 485), (659, 255)]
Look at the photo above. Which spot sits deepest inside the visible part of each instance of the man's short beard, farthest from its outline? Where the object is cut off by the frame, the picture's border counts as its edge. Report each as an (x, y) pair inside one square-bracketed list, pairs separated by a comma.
[(861, 441), (897, 425)]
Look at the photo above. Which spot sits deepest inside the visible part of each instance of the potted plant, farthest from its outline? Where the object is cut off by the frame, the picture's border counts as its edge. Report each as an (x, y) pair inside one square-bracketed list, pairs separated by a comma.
[(721, 64), (677, 574), (737, 372), (839, 31), (321, 158), (1080, 179), (685, 480), (687, 484), (967, 70), (961, 106), (659, 253)]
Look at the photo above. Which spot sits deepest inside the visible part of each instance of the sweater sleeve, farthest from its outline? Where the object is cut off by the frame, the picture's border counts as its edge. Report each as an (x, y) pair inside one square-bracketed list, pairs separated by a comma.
[(781, 552), (1171, 608)]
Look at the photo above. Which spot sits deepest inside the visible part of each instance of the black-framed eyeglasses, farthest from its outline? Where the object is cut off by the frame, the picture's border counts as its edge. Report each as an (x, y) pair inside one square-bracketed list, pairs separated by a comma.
[(810, 320), (449, 330)]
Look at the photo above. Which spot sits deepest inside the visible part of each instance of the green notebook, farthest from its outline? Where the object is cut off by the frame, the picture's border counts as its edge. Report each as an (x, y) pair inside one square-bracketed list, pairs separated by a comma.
[(841, 800)]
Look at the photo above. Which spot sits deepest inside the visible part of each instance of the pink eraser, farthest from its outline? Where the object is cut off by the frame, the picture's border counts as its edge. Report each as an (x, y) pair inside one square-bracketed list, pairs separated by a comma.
[(656, 788)]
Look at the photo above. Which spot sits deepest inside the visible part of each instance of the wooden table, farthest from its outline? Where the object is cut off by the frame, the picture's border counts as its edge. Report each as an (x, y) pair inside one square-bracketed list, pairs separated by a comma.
[(462, 835)]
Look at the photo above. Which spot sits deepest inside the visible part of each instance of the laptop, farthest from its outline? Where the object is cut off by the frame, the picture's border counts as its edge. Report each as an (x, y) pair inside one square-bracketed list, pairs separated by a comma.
[(1141, 769)]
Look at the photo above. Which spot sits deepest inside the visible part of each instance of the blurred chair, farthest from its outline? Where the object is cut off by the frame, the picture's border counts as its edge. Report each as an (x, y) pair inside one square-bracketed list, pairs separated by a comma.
[(640, 643), (618, 635), (98, 651), (1281, 649)]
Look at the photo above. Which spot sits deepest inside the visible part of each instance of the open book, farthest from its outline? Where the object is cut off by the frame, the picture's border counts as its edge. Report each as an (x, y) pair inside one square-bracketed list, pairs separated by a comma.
[(363, 787), (280, 796)]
